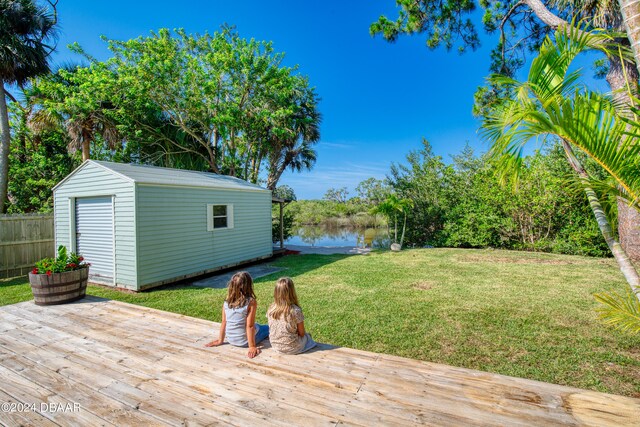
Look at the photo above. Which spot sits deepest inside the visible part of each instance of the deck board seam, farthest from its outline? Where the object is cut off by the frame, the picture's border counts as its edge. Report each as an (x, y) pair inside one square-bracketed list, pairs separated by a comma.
[(181, 386), (46, 414), (22, 401), (366, 375), (363, 378), (98, 390)]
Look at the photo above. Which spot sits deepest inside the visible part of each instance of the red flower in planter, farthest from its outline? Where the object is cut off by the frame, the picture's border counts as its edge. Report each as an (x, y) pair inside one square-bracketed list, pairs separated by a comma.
[(65, 289), (63, 262), (34, 271)]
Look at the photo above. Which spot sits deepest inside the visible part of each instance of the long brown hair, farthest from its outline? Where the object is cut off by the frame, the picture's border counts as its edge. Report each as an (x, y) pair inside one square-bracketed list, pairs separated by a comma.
[(240, 290), (284, 297)]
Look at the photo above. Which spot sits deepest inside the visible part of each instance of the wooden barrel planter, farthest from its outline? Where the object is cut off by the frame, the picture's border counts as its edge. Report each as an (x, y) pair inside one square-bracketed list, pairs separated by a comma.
[(59, 288)]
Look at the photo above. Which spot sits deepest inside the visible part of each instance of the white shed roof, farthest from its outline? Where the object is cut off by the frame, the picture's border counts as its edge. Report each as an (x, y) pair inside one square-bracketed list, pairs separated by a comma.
[(154, 175)]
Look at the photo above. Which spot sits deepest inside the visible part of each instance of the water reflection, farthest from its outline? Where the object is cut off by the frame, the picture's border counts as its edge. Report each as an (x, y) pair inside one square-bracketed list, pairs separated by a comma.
[(331, 235)]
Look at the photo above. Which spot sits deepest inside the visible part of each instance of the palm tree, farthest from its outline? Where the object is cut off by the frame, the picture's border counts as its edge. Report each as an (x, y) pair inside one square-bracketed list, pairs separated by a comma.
[(291, 145), (391, 207), (630, 10), (24, 30), (552, 102), (296, 155), (58, 94), (622, 77), (622, 74)]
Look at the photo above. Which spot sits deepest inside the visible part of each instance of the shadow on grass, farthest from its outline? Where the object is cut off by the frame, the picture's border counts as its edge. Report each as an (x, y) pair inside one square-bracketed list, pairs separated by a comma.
[(14, 281), (297, 265), (294, 265)]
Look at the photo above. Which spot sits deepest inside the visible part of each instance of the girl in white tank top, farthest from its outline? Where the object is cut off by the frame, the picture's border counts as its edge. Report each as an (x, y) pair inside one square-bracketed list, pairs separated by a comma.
[(239, 315)]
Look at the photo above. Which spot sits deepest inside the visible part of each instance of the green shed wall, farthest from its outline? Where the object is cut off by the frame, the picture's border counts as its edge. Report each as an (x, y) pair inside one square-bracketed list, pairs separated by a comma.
[(94, 181), (172, 235)]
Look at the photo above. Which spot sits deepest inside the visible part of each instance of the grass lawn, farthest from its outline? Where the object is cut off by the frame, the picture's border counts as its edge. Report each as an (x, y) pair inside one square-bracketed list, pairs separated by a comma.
[(514, 313)]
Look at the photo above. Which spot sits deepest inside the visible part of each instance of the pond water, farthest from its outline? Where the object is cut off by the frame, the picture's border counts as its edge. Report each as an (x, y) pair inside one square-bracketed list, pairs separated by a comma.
[(326, 235)]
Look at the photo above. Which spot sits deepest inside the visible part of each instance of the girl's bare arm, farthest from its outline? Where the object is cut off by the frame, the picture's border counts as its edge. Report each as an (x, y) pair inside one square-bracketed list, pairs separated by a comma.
[(251, 329), (223, 326), (301, 329)]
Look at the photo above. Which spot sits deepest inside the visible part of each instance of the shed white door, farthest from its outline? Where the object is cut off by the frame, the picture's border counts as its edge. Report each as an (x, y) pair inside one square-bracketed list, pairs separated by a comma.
[(94, 234)]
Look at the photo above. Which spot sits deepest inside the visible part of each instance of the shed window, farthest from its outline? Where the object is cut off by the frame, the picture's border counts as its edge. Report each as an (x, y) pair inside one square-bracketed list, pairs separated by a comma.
[(219, 217)]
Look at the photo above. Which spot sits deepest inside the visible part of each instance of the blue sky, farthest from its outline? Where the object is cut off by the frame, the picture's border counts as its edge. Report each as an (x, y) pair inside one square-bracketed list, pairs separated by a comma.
[(378, 99)]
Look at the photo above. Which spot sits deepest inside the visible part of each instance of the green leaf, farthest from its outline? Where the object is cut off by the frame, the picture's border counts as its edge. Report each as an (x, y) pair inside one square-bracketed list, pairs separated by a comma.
[(620, 312)]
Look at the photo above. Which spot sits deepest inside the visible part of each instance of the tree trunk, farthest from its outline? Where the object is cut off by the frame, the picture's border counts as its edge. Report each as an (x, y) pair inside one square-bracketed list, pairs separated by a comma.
[(86, 146), (629, 229), (86, 150), (274, 177), (627, 268), (4, 149), (630, 10), (544, 14), (232, 154), (404, 227), (247, 162), (620, 78), (395, 229), (622, 86)]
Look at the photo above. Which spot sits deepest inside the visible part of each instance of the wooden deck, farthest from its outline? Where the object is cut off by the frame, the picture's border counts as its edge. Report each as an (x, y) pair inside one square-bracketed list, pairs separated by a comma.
[(122, 364)]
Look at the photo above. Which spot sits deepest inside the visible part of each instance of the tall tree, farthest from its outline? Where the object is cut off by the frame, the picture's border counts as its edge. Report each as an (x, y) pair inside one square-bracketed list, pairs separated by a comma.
[(37, 163), (25, 31), (522, 25), (373, 191), (291, 136), (552, 102), (70, 100), (423, 179), (225, 102), (630, 10), (338, 195)]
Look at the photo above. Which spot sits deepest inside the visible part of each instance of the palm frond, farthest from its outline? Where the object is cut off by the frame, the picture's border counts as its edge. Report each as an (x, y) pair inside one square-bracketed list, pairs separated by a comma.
[(552, 102), (24, 29), (590, 123), (620, 311)]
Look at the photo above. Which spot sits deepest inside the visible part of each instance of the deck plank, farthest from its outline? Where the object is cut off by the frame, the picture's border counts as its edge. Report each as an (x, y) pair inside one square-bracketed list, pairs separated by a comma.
[(148, 377), (253, 379), (29, 392), (111, 410), (145, 366), (26, 418), (351, 375)]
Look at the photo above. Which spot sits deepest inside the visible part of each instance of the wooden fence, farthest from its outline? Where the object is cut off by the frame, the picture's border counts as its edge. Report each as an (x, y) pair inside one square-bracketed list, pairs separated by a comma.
[(24, 239)]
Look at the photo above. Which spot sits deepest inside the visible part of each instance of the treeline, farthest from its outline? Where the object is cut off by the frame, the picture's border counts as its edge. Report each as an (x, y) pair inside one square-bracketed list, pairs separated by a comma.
[(212, 102), (353, 212), (465, 204), (338, 209)]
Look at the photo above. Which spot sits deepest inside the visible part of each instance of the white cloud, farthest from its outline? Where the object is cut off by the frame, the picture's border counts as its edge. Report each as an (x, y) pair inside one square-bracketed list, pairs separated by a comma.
[(338, 145)]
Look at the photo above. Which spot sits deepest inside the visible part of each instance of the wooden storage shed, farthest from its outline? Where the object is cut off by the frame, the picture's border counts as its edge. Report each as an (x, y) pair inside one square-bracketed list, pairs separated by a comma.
[(144, 226)]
